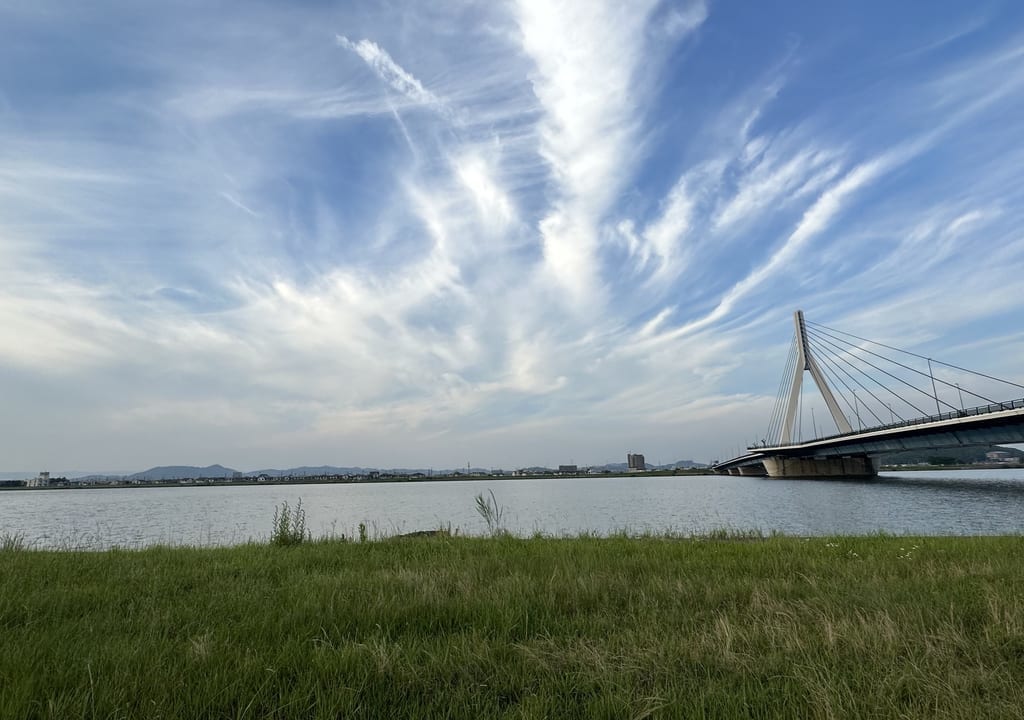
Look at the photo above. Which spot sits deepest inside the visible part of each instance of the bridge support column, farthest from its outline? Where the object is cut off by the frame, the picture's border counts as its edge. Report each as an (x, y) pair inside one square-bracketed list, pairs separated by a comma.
[(791, 467), (757, 470)]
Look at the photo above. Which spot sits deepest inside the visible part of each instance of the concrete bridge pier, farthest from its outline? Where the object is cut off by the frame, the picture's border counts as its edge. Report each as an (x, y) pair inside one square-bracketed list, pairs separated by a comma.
[(796, 467), (757, 470)]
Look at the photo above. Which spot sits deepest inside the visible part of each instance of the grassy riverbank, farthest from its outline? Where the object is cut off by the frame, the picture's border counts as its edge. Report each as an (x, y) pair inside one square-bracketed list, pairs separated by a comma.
[(504, 627)]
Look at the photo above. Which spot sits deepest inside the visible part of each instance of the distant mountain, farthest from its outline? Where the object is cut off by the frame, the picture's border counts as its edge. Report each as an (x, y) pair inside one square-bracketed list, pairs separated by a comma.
[(686, 464), (307, 470), (182, 472), (313, 471)]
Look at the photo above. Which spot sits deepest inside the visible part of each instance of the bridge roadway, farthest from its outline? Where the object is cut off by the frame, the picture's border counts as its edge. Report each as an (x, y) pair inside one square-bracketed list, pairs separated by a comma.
[(854, 453)]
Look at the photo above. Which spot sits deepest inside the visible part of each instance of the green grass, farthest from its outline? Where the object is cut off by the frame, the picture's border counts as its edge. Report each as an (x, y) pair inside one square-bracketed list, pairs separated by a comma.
[(450, 627)]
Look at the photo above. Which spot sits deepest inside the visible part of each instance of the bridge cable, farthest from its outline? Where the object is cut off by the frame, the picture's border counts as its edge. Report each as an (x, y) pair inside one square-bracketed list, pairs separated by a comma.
[(847, 361), (899, 379), (835, 387), (827, 360), (836, 381), (775, 423), (915, 370), (932, 377), (837, 358), (922, 357), (887, 406), (857, 405), (778, 393), (786, 384), (845, 357)]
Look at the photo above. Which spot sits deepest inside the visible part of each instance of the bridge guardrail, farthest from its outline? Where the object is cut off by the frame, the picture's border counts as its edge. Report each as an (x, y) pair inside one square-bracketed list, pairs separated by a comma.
[(951, 415)]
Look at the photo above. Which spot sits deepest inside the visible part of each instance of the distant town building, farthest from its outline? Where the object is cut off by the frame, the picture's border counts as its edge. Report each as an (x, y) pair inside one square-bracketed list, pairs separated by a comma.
[(42, 481), (636, 462), (568, 469)]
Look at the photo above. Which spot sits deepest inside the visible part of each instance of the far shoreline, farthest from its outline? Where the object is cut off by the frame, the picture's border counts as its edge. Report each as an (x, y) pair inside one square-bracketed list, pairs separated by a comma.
[(351, 480), (391, 479)]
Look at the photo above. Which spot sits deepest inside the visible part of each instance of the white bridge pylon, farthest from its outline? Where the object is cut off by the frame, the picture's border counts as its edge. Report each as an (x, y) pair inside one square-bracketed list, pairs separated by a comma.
[(805, 361)]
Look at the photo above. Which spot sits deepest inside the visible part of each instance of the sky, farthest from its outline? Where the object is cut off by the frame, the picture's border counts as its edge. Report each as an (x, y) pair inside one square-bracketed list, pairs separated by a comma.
[(407, 234)]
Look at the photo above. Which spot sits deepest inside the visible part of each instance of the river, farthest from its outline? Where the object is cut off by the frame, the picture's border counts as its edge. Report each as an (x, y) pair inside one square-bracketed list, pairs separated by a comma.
[(958, 502)]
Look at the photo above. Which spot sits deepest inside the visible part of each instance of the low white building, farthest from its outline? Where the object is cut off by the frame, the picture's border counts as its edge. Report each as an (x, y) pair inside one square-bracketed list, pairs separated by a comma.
[(42, 481)]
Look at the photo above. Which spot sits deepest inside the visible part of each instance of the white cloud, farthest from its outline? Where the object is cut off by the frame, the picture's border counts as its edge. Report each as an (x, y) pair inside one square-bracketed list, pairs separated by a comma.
[(389, 71), (492, 201), (680, 21), (588, 60), (774, 181), (665, 236)]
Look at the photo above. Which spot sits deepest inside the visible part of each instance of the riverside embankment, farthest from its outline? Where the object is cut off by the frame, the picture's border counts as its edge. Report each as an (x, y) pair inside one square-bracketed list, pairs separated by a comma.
[(443, 626)]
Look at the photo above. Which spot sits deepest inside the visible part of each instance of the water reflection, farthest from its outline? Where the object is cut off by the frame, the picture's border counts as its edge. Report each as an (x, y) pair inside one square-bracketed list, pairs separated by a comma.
[(974, 485)]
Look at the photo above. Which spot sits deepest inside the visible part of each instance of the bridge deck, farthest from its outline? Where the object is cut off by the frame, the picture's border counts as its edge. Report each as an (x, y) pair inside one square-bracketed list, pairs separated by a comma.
[(978, 426), (928, 420)]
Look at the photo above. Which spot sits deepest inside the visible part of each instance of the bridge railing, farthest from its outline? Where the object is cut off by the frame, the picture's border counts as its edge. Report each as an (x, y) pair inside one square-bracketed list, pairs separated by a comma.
[(951, 415)]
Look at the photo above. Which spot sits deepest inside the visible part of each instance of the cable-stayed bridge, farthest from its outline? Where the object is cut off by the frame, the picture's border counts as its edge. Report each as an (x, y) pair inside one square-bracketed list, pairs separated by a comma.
[(875, 399)]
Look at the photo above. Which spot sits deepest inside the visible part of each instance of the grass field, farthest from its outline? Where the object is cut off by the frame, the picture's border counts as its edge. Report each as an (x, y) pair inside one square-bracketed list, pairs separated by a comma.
[(450, 627)]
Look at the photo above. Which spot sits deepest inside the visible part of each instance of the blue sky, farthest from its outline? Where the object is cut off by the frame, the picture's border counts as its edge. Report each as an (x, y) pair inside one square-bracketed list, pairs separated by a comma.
[(421, 234)]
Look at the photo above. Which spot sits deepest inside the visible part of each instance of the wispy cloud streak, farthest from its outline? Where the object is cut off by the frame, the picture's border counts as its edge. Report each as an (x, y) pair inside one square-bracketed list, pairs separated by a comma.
[(389, 71)]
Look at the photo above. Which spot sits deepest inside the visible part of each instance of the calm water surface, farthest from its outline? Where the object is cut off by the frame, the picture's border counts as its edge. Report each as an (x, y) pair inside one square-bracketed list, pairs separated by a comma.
[(980, 502)]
